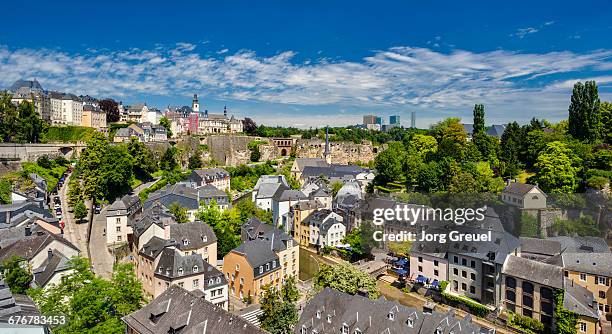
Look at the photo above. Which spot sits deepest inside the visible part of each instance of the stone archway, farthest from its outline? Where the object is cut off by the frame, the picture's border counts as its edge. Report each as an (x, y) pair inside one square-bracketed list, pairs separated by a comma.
[(283, 152)]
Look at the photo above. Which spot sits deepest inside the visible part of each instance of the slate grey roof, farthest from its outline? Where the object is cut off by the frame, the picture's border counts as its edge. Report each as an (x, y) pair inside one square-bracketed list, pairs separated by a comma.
[(518, 188), (534, 271), (53, 264), (592, 263), (29, 246), (495, 130), (177, 193), (177, 309), (284, 195), (209, 192), (208, 174), (582, 244), (155, 246), (579, 300), (264, 179), (155, 214), (15, 304), (258, 252), (539, 246), (254, 228), (173, 264), (306, 162), (268, 190), (503, 244), (12, 214), (192, 235), (330, 310)]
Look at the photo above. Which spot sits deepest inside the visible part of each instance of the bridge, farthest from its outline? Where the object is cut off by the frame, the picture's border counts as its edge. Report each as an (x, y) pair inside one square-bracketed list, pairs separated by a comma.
[(11, 152)]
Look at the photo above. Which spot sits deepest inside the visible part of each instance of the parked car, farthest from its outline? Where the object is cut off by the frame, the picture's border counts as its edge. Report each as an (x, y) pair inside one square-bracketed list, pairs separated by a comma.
[(97, 209), (58, 216), (57, 206)]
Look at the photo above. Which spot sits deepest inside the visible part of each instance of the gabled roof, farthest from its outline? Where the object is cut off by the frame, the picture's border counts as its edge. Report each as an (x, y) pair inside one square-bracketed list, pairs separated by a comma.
[(53, 264), (173, 264), (177, 193), (192, 235), (592, 263), (330, 310), (284, 195), (579, 300), (520, 189), (539, 246), (177, 308), (155, 246), (254, 228), (534, 271), (257, 252), (209, 174), (301, 163), (29, 246)]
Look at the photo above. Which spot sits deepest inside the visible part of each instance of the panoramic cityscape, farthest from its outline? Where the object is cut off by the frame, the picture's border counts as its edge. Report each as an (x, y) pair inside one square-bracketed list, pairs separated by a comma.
[(291, 168)]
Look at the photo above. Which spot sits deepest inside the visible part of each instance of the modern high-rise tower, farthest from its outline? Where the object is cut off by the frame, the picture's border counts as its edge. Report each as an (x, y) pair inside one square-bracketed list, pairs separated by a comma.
[(413, 120)]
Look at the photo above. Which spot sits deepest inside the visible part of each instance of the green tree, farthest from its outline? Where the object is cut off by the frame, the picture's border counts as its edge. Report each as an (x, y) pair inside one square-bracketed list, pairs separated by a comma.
[(165, 122), (606, 121), (335, 187), (510, 148), (30, 125), (255, 153), (9, 118), (226, 226), (346, 278), (179, 212), (143, 159), (80, 211), (279, 309), (92, 158), (111, 108), (195, 161), (556, 169), (169, 161), (17, 275), (390, 163), (361, 239), (423, 144), (90, 303), (452, 141), (479, 119), (117, 171), (584, 112)]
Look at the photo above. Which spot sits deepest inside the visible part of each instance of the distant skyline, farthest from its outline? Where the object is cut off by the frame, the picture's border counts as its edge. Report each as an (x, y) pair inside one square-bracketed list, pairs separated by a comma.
[(317, 63)]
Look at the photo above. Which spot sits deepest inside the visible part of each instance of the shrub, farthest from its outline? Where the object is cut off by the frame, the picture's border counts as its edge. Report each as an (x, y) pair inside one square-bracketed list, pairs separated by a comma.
[(525, 324)]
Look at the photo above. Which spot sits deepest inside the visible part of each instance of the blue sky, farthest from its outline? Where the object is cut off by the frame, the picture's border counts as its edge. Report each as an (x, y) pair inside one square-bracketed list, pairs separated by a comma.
[(318, 62)]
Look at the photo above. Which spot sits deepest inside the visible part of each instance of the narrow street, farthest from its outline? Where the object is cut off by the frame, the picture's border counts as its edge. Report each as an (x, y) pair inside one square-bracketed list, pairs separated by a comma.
[(101, 259), (75, 233)]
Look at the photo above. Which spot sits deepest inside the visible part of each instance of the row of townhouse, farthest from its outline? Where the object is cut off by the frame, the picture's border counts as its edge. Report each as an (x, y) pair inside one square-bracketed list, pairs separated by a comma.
[(190, 120), (144, 132), (169, 254), (522, 274), (59, 108)]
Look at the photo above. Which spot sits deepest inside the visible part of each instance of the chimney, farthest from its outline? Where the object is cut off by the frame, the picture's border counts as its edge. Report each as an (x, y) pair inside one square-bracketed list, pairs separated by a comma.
[(49, 254), (28, 230)]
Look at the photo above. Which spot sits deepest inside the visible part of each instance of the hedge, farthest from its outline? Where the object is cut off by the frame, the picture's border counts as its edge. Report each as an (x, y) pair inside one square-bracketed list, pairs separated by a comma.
[(525, 324), (474, 307)]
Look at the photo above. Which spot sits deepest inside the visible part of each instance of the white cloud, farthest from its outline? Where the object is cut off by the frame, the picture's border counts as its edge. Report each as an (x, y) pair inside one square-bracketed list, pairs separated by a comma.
[(522, 32), (400, 77)]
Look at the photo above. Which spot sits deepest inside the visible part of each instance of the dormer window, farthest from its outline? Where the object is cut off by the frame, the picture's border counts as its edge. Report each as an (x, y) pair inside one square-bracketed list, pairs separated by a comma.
[(267, 266), (438, 331), (303, 330), (410, 323), (180, 271), (160, 270), (391, 316), (329, 318), (357, 331), (274, 264), (345, 329), (210, 281), (318, 314), (185, 242), (260, 269), (195, 269), (237, 267), (218, 280), (204, 238)]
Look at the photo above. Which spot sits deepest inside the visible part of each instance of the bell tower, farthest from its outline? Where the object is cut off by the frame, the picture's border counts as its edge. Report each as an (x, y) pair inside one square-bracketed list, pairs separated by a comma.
[(195, 105)]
